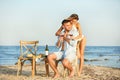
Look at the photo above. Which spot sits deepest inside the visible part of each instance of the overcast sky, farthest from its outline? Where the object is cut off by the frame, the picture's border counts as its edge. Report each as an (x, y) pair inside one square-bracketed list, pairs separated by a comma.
[(40, 19)]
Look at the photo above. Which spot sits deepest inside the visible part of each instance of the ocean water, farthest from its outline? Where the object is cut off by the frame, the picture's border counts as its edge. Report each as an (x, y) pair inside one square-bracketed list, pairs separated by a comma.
[(94, 55)]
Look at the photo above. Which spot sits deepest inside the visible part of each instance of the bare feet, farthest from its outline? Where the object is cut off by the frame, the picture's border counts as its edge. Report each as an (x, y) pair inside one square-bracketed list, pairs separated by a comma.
[(56, 76), (71, 74), (79, 72)]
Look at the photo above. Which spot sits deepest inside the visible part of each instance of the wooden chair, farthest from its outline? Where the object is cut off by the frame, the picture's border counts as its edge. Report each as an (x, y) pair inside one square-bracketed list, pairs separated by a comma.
[(28, 51)]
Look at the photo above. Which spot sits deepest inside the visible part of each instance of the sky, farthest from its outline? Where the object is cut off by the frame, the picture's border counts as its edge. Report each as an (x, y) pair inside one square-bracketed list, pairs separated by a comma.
[(40, 19)]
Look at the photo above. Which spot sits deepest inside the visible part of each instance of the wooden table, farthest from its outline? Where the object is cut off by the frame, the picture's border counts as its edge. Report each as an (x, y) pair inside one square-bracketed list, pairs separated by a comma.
[(46, 66), (34, 65)]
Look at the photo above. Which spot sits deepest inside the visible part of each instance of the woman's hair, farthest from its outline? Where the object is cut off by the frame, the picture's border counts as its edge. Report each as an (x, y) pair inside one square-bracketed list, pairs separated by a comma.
[(73, 16)]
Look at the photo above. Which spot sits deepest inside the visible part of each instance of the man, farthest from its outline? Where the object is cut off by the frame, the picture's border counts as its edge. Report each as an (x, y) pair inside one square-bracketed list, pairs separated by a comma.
[(69, 52)]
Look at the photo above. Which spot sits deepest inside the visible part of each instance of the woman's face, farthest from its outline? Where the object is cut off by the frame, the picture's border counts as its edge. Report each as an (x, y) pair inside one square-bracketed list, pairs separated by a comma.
[(74, 21)]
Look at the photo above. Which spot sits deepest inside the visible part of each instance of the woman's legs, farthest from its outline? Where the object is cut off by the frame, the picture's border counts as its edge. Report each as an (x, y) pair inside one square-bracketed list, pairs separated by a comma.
[(81, 49)]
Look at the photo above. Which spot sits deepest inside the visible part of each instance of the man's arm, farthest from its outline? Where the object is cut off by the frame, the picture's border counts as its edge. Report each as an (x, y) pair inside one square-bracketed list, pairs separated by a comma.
[(59, 31), (58, 44)]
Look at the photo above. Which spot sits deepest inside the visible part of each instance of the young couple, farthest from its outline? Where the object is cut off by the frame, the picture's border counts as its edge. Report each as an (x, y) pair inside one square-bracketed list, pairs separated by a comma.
[(71, 35)]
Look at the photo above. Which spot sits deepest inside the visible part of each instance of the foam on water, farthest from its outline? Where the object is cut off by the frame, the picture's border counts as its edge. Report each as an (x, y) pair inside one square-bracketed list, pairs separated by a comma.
[(96, 55)]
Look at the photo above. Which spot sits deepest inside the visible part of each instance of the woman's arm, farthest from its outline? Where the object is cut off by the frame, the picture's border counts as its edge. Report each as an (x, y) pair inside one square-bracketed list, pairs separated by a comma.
[(59, 31)]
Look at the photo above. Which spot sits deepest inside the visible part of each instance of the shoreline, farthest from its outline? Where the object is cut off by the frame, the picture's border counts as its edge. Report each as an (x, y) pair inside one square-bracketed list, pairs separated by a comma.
[(89, 72), (60, 65)]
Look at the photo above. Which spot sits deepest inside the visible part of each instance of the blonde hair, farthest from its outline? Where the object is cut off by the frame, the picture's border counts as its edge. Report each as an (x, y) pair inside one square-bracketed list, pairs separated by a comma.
[(73, 16)]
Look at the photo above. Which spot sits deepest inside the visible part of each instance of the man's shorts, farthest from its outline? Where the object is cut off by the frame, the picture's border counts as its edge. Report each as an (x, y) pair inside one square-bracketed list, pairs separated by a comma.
[(69, 54)]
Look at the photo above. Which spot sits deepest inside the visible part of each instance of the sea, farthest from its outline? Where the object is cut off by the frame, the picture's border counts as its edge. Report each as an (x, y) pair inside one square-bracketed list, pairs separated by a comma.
[(108, 56)]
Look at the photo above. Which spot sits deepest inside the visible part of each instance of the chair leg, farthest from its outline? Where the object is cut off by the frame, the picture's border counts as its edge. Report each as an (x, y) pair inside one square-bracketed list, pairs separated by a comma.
[(19, 67), (33, 65), (35, 68), (68, 72), (64, 72), (56, 62), (47, 67), (21, 64)]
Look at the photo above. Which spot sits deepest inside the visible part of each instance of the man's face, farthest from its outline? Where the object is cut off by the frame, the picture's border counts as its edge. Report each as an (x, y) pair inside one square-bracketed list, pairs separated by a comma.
[(68, 26)]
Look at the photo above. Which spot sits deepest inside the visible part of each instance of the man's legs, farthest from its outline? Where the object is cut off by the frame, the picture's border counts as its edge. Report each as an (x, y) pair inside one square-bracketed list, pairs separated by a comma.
[(51, 59), (68, 65)]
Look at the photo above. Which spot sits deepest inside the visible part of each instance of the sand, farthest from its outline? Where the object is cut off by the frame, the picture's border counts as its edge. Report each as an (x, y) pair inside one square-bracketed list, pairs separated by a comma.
[(89, 73)]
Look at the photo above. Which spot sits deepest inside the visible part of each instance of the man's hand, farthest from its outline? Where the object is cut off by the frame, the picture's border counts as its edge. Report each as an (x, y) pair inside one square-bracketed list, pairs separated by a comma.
[(72, 37), (61, 35), (61, 38), (66, 39)]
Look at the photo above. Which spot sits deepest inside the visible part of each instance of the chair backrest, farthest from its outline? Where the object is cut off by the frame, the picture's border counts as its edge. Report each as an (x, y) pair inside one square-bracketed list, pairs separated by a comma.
[(28, 47)]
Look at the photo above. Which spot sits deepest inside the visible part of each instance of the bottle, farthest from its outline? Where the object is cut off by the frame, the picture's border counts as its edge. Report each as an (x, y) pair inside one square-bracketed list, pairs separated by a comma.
[(46, 50)]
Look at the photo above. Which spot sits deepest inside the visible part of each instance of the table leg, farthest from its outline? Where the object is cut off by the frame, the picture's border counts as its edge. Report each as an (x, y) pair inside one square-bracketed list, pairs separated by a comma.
[(33, 65), (47, 67)]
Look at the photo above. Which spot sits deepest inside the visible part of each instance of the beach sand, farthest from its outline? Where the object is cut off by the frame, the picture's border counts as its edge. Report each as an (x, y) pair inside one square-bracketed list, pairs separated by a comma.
[(89, 73)]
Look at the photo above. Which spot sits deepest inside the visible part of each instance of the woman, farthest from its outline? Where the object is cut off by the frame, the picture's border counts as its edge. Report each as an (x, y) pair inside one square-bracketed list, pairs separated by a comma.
[(74, 19)]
